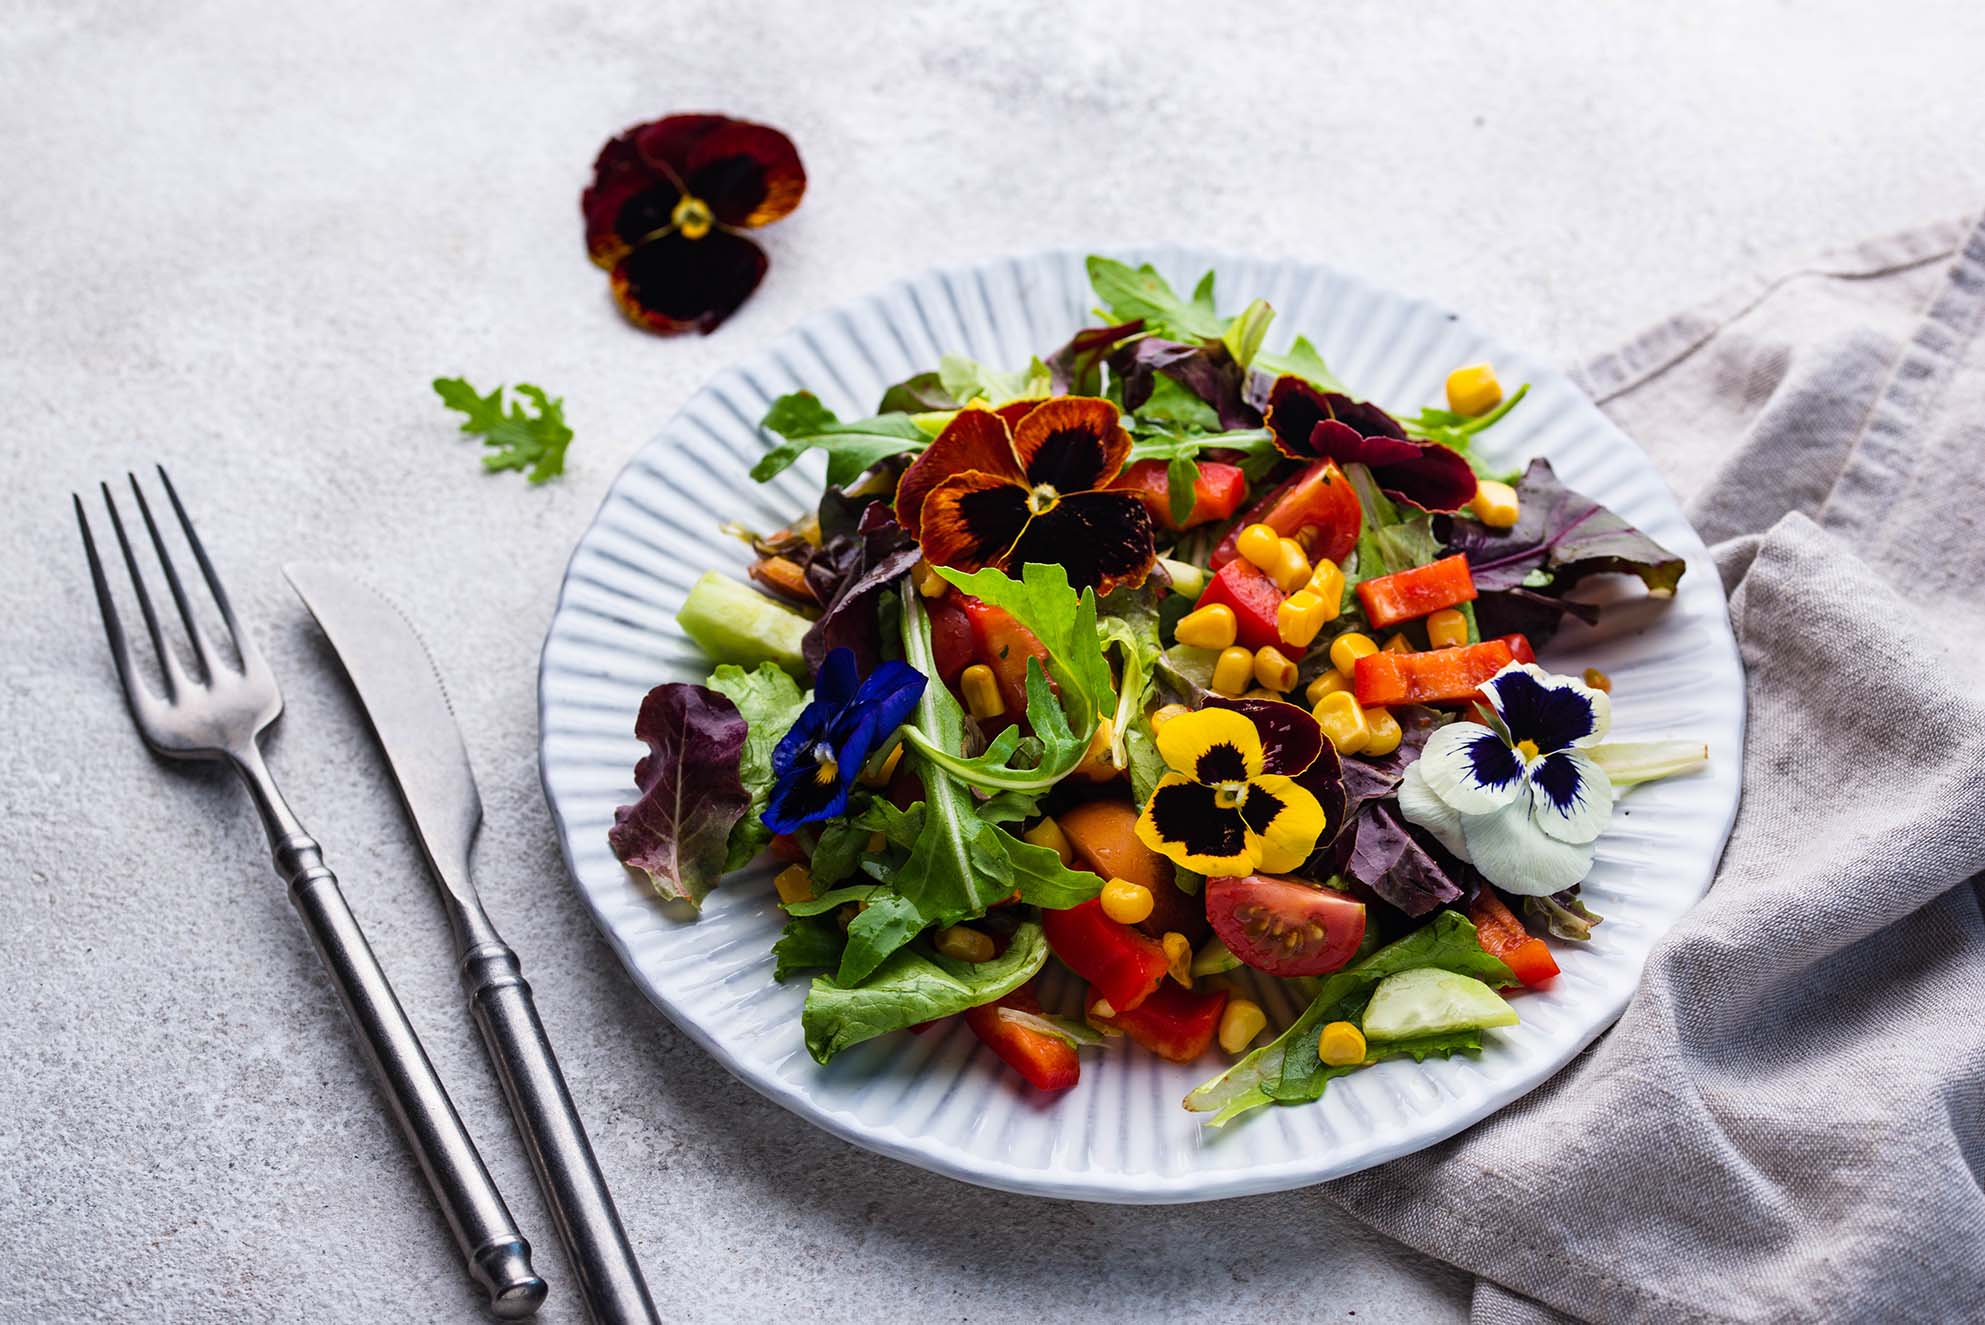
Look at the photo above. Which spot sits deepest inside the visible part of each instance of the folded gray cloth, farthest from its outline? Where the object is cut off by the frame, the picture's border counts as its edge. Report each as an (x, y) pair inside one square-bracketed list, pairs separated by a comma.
[(1788, 1123)]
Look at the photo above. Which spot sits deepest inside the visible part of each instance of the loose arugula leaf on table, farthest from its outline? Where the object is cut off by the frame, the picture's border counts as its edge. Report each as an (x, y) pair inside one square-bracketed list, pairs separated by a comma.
[(1563, 533), (914, 985), (768, 700), (677, 833), (533, 440), (851, 447), (965, 380), (1141, 294)]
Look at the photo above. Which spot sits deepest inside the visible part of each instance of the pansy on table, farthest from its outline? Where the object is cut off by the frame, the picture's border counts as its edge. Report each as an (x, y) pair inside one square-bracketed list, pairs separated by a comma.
[(1231, 804), (1309, 424), (815, 764)]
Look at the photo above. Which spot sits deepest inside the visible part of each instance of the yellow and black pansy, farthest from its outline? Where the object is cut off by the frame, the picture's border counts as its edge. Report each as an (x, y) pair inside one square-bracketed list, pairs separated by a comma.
[(1231, 803)]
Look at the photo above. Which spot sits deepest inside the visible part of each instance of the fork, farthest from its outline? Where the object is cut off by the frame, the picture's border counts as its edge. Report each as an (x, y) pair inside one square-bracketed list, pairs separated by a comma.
[(218, 714)]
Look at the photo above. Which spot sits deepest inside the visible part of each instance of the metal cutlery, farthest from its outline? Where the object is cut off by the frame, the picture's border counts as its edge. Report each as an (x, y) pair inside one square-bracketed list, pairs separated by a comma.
[(218, 715), (400, 689)]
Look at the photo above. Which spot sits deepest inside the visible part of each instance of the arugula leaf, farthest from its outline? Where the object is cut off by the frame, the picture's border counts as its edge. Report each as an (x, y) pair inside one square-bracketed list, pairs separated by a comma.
[(810, 944), (1456, 431), (1244, 334), (921, 394), (1300, 360), (966, 380), (533, 441), (914, 985), (838, 851), (852, 448), (1564, 914), (769, 700), (888, 922), (1171, 402), (1134, 293), (1256, 445), (677, 832)]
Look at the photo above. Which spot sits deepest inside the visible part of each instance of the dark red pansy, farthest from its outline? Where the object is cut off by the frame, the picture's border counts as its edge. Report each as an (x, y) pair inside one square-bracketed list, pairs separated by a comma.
[(664, 210), (1311, 424)]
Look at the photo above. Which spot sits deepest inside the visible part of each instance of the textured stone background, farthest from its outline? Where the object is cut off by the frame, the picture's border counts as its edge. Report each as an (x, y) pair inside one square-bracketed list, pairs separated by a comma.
[(242, 237)]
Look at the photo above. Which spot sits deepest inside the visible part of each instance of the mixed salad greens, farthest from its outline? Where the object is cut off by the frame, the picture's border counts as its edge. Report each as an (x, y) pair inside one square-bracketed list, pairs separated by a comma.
[(1161, 656)]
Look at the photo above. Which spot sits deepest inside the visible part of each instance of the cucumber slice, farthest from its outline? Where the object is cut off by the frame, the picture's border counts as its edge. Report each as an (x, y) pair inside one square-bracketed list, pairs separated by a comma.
[(736, 624), (1429, 1001), (1213, 958)]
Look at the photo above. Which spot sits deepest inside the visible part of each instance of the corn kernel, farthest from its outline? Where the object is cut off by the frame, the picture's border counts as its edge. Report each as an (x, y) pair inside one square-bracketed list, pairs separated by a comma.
[(1260, 544), (1299, 618), (1329, 683), (1447, 629), (981, 692), (794, 884), (1165, 714), (1273, 669), (1240, 1021), (1597, 679), (1327, 583), (1495, 504), (1047, 833), (1096, 765), (1127, 903), (1386, 735), (963, 943), (880, 777), (1208, 627), (1178, 957), (1340, 1044), (929, 583), (1232, 671), (1396, 643), (1472, 389), (1292, 568), (1343, 722), (1347, 648)]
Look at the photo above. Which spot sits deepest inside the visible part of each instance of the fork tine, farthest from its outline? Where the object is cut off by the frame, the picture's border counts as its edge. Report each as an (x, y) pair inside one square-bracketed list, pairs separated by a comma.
[(201, 645), (175, 677), (244, 647), (113, 629)]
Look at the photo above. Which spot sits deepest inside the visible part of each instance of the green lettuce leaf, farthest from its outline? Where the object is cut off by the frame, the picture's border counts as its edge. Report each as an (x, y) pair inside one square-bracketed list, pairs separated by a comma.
[(966, 380), (811, 943), (1243, 335), (914, 985), (852, 448), (769, 701), (1301, 360)]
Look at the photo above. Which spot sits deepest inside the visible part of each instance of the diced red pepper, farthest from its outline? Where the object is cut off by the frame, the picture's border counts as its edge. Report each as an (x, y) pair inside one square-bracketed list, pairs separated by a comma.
[(1003, 644), (1404, 595), (1175, 1023), (1318, 508), (786, 849), (1519, 647), (1047, 1061), (1502, 935), (1245, 588), (1438, 676), (1216, 494), (1123, 963), (952, 639)]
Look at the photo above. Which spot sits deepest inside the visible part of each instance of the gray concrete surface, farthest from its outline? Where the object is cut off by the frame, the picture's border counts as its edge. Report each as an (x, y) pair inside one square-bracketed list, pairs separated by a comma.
[(242, 237)]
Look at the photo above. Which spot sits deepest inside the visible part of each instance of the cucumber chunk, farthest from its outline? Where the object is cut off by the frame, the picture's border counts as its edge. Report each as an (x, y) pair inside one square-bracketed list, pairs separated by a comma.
[(1429, 1001), (736, 624)]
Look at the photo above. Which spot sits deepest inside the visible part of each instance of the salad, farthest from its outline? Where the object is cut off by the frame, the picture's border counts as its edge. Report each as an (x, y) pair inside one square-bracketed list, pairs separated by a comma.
[(1160, 657)]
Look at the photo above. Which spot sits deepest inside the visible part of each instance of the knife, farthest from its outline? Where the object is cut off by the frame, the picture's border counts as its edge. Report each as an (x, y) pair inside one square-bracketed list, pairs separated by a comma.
[(400, 689)]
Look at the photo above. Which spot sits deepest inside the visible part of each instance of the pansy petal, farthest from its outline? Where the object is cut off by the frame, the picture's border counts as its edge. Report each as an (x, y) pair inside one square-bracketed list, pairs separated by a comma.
[(972, 519), (837, 683), (1471, 768), (1211, 745), (1103, 540), (1184, 822), (884, 703), (1572, 798), (749, 174), (1283, 821), (975, 439), (1295, 408), (1552, 711), (1072, 444), (1015, 410), (1426, 810), (1423, 474), (1517, 856), (1291, 738), (636, 183), (674, 284), (801, 797)]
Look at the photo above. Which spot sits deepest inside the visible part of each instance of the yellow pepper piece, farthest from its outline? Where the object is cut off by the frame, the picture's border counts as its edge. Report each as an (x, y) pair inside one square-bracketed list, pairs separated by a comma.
[(1240, 1021), (1385, 735), (1340, 1044), (1495, 504), (1047, 833), (1343, 722), (981, 692), (1329, 683), (1292, 569), (794, 884), (1165, 714), (1447, 629), (1127, 903), (1209, 627), (1232, 671), (963, 943), (1327, 583), (1178, 957), (1260, 544), (1397, 643), (1346, 649), (1273, 669), (1472, 389), (1299, 618), (881, 776)]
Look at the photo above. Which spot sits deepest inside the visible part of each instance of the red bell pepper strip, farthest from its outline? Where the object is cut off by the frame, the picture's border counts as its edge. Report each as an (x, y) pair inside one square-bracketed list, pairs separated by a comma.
[(1216, 493), (1519, 647), (1047, 1061), (1438, 676), (1404, 595), (1318, 508), (1123, 963), (1004, 645), (1245, 588), (1502, 935), (1175, 1023)]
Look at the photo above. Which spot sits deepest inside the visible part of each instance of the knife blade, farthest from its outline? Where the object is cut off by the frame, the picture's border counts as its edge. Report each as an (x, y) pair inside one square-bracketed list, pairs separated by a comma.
[(400, 688)]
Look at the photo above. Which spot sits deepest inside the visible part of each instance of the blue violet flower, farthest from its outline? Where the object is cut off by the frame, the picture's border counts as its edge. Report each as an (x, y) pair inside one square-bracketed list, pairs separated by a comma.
[(816, 763)]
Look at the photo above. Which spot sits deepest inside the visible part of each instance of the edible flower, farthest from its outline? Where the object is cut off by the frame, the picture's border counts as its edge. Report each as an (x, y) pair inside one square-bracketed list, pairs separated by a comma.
[(665, 209), (1309, 424), (1003, 488), (817, 761), (1231, 804), (1520, 799)]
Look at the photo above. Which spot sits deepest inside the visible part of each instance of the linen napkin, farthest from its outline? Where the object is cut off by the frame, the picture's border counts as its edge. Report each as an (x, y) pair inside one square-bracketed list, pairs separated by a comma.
[(1788, 1123)]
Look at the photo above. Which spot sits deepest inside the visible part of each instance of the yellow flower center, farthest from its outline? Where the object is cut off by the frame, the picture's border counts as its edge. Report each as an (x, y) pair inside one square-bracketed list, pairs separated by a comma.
[(828, 768), (1528, 749), (1230, 795), (1042, 499), (692, 217)]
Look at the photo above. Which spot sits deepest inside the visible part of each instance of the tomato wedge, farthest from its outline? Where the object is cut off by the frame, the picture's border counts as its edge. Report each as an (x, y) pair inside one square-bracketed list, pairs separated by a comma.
[(1502, 935), (1216, 493), (1404, 595), (1047, 1061), (951, 638), (1283, 926), (1004, 645), (1176, 1023), (1318, 508), (1242, 586), (1121, 962)]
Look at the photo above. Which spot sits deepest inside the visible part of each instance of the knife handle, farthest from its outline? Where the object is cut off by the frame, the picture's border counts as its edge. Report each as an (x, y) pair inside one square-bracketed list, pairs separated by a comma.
[(498, 1257), (582, 1208)]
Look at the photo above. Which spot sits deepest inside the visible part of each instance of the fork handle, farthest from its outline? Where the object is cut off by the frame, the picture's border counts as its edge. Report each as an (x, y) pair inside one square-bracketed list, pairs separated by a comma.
[(498, 1257)]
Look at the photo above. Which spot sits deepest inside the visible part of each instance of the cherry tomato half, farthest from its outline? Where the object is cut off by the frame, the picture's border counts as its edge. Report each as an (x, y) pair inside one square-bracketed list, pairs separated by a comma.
[(1283, 926), (1318, 508)]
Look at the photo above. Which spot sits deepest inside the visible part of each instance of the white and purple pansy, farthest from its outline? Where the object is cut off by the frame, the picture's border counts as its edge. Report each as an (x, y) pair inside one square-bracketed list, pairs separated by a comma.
[(1520, 798)]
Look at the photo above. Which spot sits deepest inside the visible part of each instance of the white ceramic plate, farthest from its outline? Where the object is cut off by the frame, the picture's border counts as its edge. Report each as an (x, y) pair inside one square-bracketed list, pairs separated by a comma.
[(940, 1100)]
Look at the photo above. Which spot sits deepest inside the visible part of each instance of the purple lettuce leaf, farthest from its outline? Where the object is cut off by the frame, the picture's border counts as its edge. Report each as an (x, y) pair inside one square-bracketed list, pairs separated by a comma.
[(887, 553), (1076, 368), (1562, 533), (1399, 864), (1207, 371), (1528, 612), (677, 832)]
